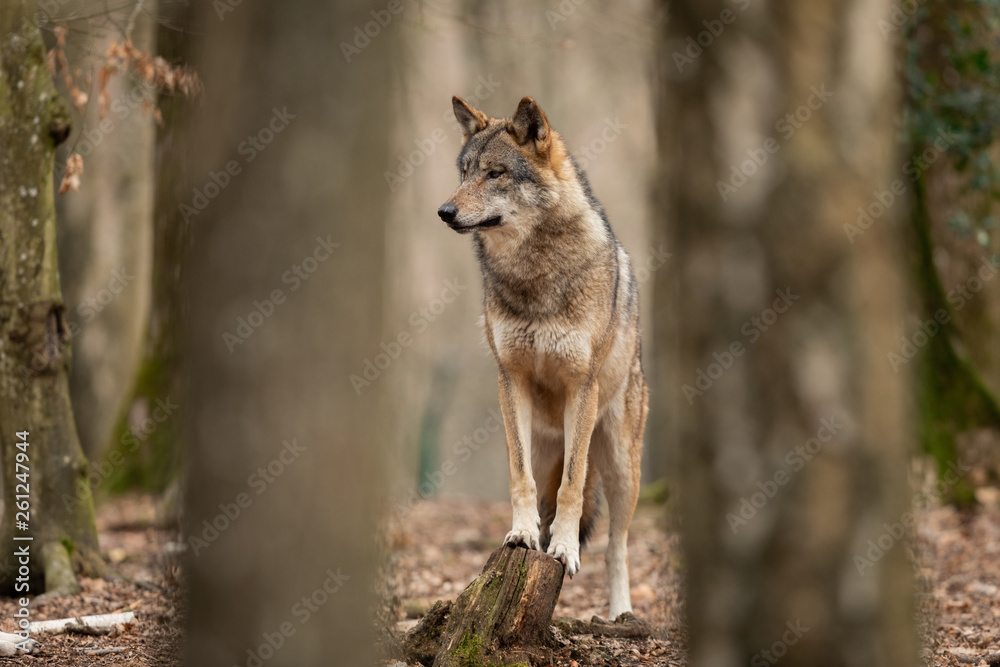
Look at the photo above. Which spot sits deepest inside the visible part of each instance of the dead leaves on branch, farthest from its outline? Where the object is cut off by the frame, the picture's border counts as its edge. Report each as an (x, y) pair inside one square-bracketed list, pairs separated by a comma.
[(154, 73), (74, 169)]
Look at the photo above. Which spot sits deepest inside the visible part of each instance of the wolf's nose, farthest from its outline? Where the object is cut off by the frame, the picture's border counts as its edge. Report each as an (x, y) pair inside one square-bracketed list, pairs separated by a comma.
[(448, 212)]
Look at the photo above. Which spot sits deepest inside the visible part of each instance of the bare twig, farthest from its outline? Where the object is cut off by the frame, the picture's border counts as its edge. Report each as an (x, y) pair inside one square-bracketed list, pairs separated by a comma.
[(130, 26)]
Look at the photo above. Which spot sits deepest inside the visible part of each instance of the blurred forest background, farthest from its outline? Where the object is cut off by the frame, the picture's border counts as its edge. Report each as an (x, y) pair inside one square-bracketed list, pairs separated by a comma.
[(230, 149)]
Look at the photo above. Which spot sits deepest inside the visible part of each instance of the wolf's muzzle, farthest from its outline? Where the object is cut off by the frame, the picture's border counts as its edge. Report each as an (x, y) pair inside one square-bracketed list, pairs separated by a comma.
[(448, 213)]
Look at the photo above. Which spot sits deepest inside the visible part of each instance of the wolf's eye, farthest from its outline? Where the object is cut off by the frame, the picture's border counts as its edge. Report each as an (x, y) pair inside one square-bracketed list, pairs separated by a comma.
[(496, 173)]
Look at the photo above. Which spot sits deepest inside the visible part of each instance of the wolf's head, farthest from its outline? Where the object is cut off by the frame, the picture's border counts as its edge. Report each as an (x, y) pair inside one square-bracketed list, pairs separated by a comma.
[(513, 170)]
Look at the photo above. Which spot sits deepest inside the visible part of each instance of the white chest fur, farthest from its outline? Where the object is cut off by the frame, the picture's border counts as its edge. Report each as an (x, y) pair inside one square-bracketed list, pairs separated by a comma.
[(518, 342)]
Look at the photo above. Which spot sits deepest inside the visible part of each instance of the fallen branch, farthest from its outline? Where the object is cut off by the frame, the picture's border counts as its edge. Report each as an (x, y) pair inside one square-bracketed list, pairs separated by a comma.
[(991, 659), (99, 651), (82, 624)]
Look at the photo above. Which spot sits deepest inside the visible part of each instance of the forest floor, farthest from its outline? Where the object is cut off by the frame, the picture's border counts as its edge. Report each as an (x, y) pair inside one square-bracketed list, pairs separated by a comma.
[(442, 546), (444, 543), (142, 579)]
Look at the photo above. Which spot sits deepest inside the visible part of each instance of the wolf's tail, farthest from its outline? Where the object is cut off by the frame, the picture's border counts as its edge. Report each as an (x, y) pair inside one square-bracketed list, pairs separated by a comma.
[(547, 502)]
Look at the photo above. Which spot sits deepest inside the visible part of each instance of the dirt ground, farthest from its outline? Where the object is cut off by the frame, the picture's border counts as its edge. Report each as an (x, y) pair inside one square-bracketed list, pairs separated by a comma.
[(144, 580), (959, 576), (443, 545)]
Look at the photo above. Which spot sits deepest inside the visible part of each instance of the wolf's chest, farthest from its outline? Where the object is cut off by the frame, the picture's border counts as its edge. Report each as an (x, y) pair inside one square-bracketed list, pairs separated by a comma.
[(541, 348)]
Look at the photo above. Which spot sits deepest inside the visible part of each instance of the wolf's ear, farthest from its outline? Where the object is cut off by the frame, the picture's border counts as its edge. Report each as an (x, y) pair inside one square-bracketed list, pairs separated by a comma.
[(529, 123), (471, 120)]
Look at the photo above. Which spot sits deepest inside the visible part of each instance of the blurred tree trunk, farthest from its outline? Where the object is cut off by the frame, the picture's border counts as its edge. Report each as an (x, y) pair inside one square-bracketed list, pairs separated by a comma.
[(953, 126), (953, 399), (151, 453), (34, 343), (283, 291), (792, 425), (105, 235)]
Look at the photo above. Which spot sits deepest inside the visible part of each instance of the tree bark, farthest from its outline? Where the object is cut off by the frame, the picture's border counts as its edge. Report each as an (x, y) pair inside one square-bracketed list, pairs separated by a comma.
[(792, 426), (293, 242), (105, 230), (152, 456), (953, 398), (34, 343), (958, 366), (503, 616)]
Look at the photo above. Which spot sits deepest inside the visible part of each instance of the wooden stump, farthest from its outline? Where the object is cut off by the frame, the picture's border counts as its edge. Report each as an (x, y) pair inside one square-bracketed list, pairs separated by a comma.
[(503, 616)]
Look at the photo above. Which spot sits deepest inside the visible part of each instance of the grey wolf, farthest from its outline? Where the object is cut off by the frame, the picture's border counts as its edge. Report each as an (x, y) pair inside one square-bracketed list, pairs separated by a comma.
[(561, 315)]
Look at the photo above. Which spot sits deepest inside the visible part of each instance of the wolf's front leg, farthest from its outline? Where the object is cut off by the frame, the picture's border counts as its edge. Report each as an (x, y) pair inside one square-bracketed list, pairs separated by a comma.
[(578, 426), (515, 404)]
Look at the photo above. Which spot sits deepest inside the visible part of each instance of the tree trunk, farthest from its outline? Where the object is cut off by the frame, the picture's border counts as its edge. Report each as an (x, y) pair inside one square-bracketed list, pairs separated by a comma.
[(34, 343), (149, 448), (952, 397), (503, 616), (955, 261), (792, 425), (283, 293), (105, 229)]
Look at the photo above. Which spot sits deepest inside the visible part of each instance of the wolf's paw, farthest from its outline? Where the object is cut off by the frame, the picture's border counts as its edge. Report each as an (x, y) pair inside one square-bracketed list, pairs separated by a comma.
[(568, 555), (623, 615), (525, 536), (14, 644)]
